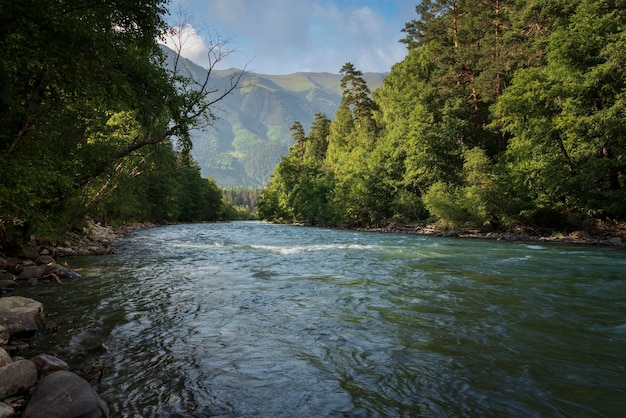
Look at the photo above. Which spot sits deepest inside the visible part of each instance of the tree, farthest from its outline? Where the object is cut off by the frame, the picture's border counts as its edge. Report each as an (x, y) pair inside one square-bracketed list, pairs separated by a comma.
[(318, 139), (301, 189), (566, 118), (503, 112), (85, 97), (299, 136)]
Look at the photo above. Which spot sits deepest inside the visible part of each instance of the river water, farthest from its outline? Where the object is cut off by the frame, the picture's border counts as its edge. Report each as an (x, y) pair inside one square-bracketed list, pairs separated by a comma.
[(249, 319)]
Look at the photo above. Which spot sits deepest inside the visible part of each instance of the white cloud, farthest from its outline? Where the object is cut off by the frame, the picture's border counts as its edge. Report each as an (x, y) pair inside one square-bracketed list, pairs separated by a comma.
[(189, 43), (284, 36)]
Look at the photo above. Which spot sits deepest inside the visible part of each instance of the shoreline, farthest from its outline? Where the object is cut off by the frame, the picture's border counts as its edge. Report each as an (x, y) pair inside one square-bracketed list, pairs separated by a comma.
[(97, 239), (612, 238)]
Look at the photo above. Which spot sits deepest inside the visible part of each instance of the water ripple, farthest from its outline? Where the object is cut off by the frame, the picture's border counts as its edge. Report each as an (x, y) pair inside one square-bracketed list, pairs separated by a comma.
[(252, 319)]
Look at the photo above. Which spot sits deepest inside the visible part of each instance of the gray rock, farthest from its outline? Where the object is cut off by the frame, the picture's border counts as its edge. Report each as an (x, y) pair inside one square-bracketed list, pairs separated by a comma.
[(21, 315), (64, 394), (17, 377), (6, 411)]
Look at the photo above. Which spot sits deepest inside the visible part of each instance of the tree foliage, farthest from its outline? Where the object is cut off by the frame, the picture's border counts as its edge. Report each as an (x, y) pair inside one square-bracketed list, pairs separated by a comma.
[(93, 120), (504, 112)]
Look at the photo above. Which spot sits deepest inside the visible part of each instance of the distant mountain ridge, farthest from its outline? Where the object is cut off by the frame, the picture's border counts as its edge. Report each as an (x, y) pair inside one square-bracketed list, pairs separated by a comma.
[(252, 130)]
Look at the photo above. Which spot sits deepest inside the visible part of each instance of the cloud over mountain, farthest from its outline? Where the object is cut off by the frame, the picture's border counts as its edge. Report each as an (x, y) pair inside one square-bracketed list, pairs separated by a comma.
[(285, 36)]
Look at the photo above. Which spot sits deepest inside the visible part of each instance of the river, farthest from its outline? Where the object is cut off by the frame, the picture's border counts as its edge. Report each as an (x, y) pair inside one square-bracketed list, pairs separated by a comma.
[(248, 319)]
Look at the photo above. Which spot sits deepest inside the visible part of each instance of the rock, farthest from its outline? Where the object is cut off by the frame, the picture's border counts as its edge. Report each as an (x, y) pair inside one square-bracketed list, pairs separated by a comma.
[(47, 363), (21, 315), (6, 276), (6, 411), (30, 252), (17, 377), (64, 394), (32, 272), (65, 251), (617, 241), (4, 335), (62, 271), (7, 284), (5, 358), (42, 270), (45, 259), (13, 264), (17, 402)]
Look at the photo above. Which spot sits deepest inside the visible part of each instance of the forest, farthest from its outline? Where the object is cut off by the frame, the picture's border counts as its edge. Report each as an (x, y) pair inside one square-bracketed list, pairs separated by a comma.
[(93, 123), (504, 114)]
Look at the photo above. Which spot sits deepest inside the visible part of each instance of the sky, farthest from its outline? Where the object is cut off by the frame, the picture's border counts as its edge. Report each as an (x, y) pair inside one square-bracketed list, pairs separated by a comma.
[(287, 36)]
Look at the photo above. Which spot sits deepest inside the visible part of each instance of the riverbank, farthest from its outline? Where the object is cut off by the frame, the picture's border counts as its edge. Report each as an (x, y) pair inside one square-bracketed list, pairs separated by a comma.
[(93, 239), (609, 237), (41, 385)]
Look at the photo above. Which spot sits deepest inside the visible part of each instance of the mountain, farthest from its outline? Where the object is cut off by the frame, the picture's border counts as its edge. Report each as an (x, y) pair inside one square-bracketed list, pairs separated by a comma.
[(252, 133)]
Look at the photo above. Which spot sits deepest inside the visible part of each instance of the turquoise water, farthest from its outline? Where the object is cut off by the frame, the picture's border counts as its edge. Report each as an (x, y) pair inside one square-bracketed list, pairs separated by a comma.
[(249, 319)]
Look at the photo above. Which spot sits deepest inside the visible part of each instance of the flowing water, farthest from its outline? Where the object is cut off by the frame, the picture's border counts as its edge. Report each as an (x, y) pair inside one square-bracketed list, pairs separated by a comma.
[(249, 319)]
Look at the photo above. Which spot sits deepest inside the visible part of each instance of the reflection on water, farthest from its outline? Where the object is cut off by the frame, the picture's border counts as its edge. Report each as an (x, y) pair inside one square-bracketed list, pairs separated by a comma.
[(252, 319)]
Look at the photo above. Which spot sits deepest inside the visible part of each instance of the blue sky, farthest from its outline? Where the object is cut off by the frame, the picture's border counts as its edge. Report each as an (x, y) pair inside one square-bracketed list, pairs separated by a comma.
[(286, 36)]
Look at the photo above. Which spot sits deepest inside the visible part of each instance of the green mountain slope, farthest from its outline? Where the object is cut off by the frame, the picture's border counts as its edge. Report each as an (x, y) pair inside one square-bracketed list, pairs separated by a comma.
[(252, 131)]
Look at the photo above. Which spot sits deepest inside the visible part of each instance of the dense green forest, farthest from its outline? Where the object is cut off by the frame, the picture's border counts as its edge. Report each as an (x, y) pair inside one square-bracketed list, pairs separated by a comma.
[(504, 113), (92, 123)]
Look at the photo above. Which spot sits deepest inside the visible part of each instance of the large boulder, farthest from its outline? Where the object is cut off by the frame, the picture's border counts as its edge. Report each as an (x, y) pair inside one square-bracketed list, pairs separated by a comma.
[(17, 377), (21, 316), (64, 394)]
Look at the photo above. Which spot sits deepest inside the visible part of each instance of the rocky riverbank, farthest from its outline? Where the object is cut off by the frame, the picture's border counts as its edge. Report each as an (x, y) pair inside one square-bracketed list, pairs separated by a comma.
[(43, 386), (609, 237)]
